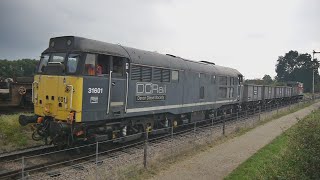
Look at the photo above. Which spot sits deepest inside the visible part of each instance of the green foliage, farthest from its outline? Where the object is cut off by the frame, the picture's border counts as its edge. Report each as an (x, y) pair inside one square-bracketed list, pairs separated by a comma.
[(277, 83), (254, 81), (17, 68), (302, 157), (266, 80), (292, 155), (297, 67)]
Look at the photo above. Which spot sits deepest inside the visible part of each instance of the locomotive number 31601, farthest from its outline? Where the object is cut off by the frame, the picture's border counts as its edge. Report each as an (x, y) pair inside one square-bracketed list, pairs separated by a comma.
[(95, 90)]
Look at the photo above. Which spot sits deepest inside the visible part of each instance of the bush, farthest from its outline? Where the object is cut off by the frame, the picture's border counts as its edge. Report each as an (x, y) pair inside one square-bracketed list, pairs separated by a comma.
[(302, 155)]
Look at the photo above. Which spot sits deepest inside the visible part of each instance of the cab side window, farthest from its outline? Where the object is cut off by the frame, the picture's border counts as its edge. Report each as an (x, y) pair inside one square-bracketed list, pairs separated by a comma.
[(43, 62), (103, 65), (72, 62), (90, 64), (118, 66)]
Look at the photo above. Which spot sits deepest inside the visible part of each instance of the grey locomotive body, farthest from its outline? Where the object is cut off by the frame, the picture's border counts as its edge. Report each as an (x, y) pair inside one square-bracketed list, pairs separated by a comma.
[(158, 91)]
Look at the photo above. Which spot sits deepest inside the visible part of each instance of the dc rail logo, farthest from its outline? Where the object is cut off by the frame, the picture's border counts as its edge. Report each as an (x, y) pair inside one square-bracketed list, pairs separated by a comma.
[(150, 88), (150, 92)]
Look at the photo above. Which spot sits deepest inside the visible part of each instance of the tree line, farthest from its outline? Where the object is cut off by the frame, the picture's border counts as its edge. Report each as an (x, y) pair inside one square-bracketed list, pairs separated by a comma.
[(17, 68), (293, 66)]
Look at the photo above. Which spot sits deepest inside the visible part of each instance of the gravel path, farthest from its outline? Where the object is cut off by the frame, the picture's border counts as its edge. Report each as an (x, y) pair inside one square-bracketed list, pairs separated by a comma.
[(222, 159)]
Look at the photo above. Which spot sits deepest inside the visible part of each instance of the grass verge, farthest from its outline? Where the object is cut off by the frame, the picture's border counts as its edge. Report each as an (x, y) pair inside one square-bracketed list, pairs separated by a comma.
[(292, 155), (13, 136)]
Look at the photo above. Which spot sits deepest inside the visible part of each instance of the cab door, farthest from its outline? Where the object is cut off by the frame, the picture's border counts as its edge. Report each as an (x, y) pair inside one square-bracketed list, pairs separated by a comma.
[(118, 86)]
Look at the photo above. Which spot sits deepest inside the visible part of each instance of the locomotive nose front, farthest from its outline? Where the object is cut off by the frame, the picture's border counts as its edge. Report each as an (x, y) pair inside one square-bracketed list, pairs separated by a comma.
[(58, 97), (48, 99)]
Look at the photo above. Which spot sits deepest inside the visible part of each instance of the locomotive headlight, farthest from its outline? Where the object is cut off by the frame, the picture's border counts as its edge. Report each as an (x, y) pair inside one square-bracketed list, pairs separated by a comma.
[(69, 42), (39, 120), (72, 116), (47, 108), (124, 131)]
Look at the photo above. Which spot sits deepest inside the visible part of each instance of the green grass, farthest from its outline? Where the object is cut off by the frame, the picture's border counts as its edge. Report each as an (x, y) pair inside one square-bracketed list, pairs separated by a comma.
[(292, 155), (12, 135), (261, 164)]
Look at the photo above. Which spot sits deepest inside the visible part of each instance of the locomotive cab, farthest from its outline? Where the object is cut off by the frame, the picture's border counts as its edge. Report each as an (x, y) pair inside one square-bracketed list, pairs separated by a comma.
[(75, 87), (70, 82)]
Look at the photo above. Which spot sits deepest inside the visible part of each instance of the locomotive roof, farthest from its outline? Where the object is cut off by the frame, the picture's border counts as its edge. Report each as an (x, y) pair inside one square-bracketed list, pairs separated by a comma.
[(136, 56)]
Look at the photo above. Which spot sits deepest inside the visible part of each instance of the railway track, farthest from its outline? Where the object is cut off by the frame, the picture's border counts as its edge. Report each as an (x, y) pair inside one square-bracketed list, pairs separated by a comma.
[(48, 159), (15, 110), (53, 158), (26, 152)]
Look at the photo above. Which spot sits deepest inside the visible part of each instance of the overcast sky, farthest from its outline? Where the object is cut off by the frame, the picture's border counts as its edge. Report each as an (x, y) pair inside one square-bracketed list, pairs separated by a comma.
[(248, 35)]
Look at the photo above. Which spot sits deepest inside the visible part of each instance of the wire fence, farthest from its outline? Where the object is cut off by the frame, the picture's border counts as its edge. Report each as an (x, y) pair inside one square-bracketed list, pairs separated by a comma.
[(129, 159)]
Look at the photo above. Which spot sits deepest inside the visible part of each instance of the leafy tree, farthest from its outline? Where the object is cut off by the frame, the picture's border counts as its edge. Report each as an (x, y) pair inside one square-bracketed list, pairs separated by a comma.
[(254, 81), (267, 79), (297, 67), (17, 68)]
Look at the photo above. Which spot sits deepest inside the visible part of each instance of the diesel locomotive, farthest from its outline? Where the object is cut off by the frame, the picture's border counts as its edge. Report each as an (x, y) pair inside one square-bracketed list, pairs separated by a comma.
[(86, 90)]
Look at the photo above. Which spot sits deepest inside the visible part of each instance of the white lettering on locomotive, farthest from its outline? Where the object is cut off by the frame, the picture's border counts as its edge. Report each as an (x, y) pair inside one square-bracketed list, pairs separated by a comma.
[(95, 90), (150, 88)]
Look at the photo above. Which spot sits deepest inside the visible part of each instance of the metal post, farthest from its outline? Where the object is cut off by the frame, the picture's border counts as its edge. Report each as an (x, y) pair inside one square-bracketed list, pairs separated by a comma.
[(97, 156), (172, 139), (289, 105), (211, 128), (194, 130), (224, 124), (237, 115), (215, 114), (246, 113), (254, 112), (22, 169), (145, 150), (259, 113), (265, 107), (211, 122), (277, 108), (313, 115), (313, 75), (172, 132)]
